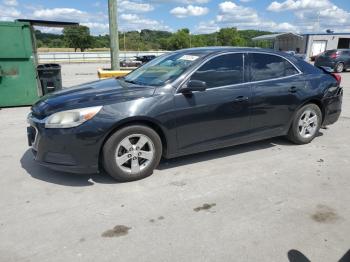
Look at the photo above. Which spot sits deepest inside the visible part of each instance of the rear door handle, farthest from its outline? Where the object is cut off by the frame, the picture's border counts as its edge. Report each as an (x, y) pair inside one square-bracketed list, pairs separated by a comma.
[(293, 89), (239, 99)]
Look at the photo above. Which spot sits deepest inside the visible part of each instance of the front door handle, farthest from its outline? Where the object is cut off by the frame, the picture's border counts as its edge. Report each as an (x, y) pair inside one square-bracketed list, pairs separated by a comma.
[(240, 99), (293, 89)]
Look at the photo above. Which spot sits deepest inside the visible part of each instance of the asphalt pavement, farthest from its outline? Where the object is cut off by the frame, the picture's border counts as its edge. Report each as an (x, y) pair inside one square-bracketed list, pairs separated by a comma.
[(265, 201)]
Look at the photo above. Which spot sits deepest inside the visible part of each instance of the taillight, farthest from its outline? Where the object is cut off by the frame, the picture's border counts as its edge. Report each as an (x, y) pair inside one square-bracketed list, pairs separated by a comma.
[(334, 55), (337, 77)]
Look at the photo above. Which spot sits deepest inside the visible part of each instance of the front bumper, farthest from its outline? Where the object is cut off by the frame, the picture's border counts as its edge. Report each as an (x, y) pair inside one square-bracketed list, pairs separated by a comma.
[(73, 150), (332, 108)]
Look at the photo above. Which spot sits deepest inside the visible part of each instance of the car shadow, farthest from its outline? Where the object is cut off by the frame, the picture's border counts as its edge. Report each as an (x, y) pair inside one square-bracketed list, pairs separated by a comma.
[(296, 256), (74, 180), (229, 151), (61, 178)]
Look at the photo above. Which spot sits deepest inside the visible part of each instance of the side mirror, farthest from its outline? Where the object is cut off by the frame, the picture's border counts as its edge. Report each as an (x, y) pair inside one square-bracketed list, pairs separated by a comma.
[(194, 85)]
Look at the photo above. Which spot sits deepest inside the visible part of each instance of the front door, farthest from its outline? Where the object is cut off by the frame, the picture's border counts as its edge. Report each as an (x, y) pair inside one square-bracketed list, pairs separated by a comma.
[(219, 115)]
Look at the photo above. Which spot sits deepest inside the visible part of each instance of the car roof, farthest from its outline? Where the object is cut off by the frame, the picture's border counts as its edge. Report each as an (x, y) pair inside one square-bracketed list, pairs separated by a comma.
[(223, 49)]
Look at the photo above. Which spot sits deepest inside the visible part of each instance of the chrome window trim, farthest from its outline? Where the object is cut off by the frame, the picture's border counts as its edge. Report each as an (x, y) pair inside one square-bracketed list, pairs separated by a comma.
[(244, 61)]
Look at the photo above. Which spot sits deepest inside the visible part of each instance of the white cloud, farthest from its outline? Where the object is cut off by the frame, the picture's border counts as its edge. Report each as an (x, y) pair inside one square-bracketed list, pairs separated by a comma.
[(207, 27), (65, 14), (299, 4), (189, 10), (97, 28), (10, 2), (231, 12), (50, 30), (134, 22), (187, 2), (127, 5), (315, 15), (194, 1), (8, 13), (241, 17)]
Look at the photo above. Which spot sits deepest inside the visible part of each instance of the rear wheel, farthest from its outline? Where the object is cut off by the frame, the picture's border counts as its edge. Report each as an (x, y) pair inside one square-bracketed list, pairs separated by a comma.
[(306, 124), (339, 67), (132, 153)]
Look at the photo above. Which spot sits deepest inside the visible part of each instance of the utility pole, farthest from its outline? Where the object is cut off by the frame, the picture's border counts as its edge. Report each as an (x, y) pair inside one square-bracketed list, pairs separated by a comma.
[(113, 34)]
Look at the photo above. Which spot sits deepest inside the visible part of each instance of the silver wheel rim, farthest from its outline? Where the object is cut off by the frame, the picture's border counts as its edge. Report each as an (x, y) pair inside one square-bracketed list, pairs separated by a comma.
[(134, 153), (340, 68), (308, 123)]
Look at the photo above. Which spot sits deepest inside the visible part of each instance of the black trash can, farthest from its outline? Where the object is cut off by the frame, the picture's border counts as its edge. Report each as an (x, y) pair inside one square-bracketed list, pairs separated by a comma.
[(50, 77)]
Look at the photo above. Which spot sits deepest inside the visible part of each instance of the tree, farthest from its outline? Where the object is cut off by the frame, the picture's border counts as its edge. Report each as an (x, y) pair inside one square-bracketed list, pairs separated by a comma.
[(230, 36), (78, 37), (179, 40), (147, 39)]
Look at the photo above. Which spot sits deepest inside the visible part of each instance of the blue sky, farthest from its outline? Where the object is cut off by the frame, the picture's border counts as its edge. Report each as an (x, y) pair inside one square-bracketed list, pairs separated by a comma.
[(200, 16)]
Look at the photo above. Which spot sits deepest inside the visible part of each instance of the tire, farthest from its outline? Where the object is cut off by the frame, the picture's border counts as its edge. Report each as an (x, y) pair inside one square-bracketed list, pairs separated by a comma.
[(132, 153), (303, 130), (340, 67)]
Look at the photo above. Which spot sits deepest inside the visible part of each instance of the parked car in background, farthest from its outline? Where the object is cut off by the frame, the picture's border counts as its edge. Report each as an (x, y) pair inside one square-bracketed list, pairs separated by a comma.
[(145, 58), (180, 103), (130, 63), (338, 60)]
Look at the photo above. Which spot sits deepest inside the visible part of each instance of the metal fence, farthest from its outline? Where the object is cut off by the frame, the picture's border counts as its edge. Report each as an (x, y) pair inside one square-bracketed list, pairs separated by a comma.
[(86, 57)]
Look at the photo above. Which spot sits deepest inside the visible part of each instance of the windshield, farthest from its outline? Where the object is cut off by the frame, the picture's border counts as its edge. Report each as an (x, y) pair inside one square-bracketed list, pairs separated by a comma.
[(163, 69)]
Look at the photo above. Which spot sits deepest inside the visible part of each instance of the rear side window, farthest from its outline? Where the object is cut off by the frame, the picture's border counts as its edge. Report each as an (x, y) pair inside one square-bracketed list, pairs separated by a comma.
[(265, 67), (221, 71)]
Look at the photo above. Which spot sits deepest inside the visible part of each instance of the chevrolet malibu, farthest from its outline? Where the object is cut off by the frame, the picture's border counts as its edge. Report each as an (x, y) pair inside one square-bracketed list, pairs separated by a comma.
[(181, 103)]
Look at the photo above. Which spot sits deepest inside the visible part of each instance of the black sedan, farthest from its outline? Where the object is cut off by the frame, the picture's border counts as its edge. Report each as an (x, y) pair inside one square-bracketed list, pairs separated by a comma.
[(337, 59), (181, 103)]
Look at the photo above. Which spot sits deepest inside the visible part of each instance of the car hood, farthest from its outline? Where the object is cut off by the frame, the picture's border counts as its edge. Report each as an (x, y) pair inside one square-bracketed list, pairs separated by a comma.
[(90, 94)]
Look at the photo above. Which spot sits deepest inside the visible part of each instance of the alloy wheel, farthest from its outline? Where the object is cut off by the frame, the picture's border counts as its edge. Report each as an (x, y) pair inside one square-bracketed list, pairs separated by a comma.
[(134, 153), (308, 123), (340, 67)]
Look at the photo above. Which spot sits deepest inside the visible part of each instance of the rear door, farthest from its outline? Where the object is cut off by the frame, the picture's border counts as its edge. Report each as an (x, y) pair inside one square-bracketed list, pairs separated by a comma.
[(277, 89), (346, 55), (219, 115)]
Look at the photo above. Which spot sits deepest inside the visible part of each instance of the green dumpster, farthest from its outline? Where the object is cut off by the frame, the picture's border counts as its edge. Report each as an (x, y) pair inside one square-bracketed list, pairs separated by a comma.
[(18, 75), (20, 84)]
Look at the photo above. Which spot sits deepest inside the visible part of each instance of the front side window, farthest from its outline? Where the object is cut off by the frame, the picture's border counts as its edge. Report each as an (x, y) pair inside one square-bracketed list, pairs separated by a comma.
[(265, 66), (221, 71)]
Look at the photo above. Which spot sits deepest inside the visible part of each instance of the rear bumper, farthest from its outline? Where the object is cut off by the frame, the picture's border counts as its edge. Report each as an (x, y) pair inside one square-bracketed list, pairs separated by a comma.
[(330, 64), (332, 108)]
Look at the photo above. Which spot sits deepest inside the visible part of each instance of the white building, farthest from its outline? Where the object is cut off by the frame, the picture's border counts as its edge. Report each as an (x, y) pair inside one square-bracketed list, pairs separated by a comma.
[(309, 44)]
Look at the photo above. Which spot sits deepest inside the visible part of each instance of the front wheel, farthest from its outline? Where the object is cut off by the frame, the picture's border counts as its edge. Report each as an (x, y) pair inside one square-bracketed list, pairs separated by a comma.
[(306, 124), (132, 153)]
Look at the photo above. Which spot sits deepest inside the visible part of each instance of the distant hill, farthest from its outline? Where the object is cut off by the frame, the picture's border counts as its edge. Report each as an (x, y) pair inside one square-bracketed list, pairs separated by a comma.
[(146, 40)]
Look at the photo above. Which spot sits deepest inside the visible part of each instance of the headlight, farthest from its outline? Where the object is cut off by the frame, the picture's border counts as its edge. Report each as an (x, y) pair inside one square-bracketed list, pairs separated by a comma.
[(71, 118)]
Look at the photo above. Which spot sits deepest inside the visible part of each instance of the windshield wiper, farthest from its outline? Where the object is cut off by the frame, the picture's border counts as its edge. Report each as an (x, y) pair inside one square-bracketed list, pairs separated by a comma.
[(129, 81), (134, 82)]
